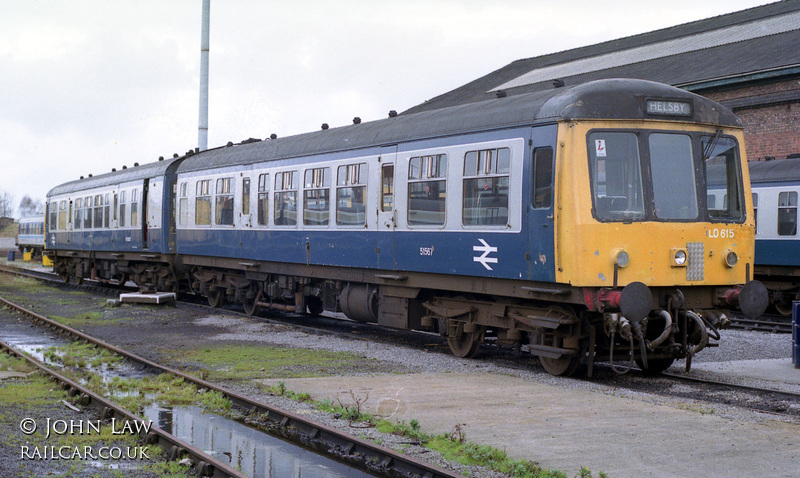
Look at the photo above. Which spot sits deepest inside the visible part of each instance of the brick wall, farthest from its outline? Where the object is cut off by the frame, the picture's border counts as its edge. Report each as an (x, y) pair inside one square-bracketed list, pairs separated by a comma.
[(770, 114)]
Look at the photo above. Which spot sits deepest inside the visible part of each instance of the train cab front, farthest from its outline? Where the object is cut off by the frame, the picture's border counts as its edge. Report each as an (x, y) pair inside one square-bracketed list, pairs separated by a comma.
[(658, 231)]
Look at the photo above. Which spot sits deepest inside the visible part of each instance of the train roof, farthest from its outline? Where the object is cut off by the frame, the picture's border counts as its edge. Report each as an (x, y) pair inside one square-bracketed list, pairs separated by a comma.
[(34, 218), (149, 170), (775, 171), (601, 99)]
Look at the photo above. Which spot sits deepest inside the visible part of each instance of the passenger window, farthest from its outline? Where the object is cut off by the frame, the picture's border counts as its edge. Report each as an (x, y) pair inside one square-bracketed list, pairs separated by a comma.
[(542, 178), (787, 213), (387, 187), (285, 199), (183, 206), (62, 216), (317, 197), (351, 195), (427, 190), (106, 212), (245, 196), (98, 211), (122, 211), (202, 203), (486, 174), (87, 212), (78, 213), (755, 210), (223, 213), (134, 208), (53, 210), (263, 199)]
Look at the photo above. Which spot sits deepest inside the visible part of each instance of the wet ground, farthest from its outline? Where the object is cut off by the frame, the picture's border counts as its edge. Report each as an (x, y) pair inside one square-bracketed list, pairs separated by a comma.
[(560, 423)]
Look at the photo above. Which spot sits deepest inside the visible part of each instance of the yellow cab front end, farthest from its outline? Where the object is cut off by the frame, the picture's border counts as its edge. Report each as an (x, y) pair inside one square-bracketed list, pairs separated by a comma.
[(655, 223)]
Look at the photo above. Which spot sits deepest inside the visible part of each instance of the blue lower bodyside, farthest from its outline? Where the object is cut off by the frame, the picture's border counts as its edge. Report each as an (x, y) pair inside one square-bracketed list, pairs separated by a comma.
[(773, 252), (434, 252), (121, 240)]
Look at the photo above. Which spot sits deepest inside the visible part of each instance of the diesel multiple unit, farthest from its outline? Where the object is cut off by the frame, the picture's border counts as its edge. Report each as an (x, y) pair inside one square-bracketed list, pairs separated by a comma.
[(602, 221)]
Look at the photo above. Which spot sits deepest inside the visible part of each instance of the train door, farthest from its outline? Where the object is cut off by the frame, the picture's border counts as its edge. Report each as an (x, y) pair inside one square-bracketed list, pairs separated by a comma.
[(387, 213), (145, 213), (69, 223), (541, 224)]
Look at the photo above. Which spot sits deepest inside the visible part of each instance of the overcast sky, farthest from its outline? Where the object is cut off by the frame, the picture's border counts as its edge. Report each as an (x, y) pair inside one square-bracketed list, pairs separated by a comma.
[(87, 86)]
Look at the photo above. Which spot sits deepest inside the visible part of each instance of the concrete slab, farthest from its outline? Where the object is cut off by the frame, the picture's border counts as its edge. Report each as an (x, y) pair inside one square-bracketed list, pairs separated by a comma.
[(154, 298), (566, 428), (773, 370), (6, 375)]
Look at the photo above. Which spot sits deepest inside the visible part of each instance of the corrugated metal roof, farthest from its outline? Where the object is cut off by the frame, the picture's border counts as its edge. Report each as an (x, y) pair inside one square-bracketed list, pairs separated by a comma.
[(774, 52), (698, 41)]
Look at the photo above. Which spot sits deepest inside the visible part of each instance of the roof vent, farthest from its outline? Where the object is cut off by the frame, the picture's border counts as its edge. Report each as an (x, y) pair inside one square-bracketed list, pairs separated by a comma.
[(124, 167), (356, 120), (392, 113), (113, 170), (273, 136), (325, 126), (81, 177), (558, 83), (174, 155), (90, 175), (230, 143), (161, 158), (500, 94), (135, 165)]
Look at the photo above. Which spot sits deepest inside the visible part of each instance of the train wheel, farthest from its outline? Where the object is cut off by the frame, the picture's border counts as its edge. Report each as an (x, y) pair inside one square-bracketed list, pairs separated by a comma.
[(655, 366), (784, 307), (564, 366), (251, 304), (215, 298), (467, 344), (314, 306)]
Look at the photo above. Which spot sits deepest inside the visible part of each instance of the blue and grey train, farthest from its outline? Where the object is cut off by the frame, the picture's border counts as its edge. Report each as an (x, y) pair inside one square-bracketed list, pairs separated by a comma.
[(572, 223), (30, 237), (775, 188)]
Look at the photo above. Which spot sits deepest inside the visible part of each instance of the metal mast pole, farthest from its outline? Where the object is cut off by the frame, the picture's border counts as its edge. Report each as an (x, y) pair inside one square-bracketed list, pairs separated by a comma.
[(202, 127)]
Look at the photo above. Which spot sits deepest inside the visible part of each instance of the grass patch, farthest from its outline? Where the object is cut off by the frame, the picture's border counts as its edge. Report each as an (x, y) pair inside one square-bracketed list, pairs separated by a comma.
[(82, 355), (258, 361), (14, 364), (35, 390)]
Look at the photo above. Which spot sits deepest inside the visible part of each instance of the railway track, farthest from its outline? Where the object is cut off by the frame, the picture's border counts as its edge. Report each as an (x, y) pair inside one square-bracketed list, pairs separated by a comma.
[(325, 440), (204, 465), (766, 323), (757, 399)]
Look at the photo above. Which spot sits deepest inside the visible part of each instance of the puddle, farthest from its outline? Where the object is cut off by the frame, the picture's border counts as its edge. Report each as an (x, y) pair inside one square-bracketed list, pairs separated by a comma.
[(255, 453)]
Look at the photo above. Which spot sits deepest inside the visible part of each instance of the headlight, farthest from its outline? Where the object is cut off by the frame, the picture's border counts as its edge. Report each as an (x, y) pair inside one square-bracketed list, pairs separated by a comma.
[(731, 259), (622, 259), (679, 257)]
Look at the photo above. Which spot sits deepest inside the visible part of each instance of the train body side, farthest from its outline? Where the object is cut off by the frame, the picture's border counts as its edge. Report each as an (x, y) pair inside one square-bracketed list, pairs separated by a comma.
[(389, 239)]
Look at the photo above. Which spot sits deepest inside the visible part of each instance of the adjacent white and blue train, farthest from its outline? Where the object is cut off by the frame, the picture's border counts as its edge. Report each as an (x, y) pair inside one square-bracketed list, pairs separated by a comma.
[(547, 219), (775, 187), (30, 237)]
